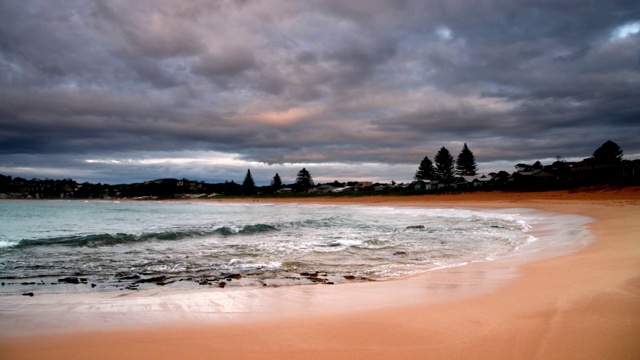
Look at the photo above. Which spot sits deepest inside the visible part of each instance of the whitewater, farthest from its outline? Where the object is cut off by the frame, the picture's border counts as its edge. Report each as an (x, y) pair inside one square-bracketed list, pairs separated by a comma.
[(52, 247)]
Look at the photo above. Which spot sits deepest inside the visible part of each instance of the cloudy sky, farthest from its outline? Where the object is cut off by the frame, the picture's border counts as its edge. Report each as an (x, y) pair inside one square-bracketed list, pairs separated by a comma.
[(126, 91)]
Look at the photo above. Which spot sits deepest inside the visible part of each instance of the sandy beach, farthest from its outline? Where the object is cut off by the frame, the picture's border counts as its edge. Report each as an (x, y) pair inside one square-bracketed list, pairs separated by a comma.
[(584, 305)]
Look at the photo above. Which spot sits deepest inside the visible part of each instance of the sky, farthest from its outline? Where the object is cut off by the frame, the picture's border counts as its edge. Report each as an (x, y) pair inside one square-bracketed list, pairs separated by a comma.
[(128, 91)]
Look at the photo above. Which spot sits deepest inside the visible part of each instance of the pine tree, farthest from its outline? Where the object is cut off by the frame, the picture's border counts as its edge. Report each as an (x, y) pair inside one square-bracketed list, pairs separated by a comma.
[(444, 164), (304, 180), (466, 163), (426, 171), (248, 185), (276, 183), (608, 153)]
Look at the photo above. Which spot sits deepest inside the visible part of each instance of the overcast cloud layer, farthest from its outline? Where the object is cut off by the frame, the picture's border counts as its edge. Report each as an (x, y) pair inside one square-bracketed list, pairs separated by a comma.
[(123, 91)]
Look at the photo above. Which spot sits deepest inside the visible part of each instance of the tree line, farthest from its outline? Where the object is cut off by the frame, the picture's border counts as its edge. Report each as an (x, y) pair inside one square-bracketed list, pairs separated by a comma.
[(446, 167), (303, 183), (605, 166), (465, 165)]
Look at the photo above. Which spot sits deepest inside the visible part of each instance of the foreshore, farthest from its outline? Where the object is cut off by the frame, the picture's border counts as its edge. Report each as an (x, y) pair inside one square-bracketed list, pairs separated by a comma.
[(584, 305)]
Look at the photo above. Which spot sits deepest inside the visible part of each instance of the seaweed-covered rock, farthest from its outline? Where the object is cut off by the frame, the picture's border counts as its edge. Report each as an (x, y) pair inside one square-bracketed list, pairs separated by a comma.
[(69, 280), (156, 279)]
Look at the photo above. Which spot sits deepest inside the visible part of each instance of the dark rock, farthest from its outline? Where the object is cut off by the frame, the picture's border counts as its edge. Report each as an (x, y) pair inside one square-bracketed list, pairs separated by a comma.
[(155, 279), (400, 253), (28, 294), (130, 277), (28, 283), (415, 227), (69, 280), (204, 282), (93, 285), (232, 276), (222, 284), (349, 277)]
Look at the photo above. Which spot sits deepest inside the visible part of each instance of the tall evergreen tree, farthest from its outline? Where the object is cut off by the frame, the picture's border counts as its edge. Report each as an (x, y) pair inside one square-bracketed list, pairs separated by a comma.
[(466, 163), (248, 185), (426, 171), (444, 164), (276, 183), (304, 180), (608, 153)]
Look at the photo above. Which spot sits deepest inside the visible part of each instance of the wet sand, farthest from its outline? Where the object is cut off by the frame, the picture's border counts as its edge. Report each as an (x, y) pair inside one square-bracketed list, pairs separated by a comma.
[(585, 305)]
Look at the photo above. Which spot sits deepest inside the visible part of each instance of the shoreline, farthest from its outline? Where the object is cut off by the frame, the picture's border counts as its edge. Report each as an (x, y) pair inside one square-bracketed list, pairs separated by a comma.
[(582, 305)]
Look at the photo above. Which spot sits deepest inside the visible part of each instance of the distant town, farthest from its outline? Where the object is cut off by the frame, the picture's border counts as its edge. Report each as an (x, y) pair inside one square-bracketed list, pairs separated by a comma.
[(606, 167)]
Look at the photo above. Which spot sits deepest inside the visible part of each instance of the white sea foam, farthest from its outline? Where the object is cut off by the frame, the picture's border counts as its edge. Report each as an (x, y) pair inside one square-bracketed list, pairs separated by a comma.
[(7, 243)]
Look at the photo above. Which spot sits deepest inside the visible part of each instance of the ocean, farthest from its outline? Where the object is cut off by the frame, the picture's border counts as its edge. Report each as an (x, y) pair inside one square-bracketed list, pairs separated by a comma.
[(52, 247)]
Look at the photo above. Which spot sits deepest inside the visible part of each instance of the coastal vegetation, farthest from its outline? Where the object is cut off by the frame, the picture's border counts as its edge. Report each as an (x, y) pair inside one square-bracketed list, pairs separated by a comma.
[(444, 164), (248, 185), (605, 167), (466, 163)]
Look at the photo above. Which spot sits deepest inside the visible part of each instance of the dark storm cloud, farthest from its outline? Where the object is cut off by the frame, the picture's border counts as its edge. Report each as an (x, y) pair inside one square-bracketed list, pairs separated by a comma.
[(289, 82)]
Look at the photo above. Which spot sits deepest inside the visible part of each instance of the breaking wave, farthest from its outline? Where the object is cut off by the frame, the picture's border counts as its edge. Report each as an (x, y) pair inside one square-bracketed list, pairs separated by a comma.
[(97, 240)]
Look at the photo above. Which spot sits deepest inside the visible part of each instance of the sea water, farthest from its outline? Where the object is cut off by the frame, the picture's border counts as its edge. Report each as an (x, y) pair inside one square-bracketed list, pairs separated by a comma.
[(86, 246)]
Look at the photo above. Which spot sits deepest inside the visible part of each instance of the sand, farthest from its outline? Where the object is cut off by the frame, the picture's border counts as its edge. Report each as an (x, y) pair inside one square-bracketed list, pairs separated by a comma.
[(584, 305)]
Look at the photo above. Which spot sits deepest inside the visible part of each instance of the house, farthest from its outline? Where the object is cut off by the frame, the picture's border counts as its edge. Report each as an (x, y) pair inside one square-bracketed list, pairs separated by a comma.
[(343, 189), (461, 182), (537, 179), (425, 185), (469, 182), (380, 187), (540, 174), (362, 185), (325, 188), (483, 180)]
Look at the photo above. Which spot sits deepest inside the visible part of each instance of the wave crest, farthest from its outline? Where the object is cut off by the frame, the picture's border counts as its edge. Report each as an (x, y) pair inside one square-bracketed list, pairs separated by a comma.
[(97, 240), (247, 229)]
